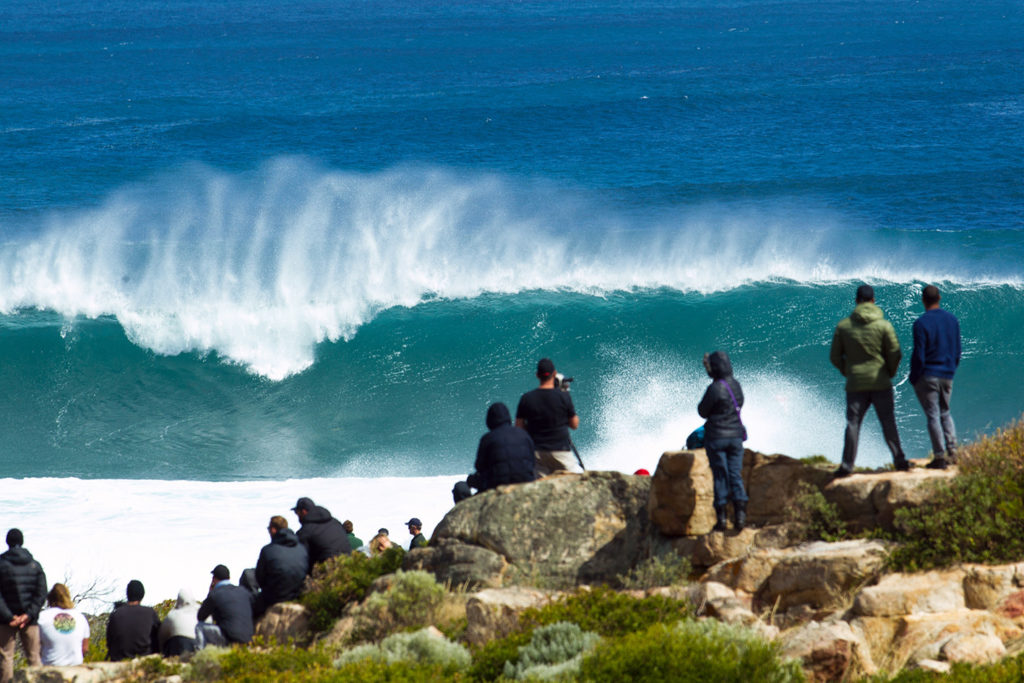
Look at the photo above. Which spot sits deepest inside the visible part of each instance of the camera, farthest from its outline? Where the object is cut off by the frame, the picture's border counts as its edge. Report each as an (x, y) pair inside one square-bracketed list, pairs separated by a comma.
[(562, 382)]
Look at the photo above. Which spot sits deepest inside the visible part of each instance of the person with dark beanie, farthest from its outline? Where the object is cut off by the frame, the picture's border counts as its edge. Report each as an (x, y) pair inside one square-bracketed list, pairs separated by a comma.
[(22, 594), (133, 630)]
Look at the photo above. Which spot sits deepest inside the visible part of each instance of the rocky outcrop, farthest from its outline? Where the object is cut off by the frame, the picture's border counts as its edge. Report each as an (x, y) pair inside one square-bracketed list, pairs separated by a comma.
[(286, 622), (870, 501), (84, 673), (829, 651), (494, 613), (561, 531)]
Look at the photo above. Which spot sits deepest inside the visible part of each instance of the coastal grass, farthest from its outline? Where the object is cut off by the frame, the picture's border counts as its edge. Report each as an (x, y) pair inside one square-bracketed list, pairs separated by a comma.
[(978, 516)]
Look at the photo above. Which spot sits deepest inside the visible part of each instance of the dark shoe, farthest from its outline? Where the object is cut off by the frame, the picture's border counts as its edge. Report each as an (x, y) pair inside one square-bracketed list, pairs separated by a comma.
[(840, 473), (937, 464), (740, 515), (722, 523), (904, 466)]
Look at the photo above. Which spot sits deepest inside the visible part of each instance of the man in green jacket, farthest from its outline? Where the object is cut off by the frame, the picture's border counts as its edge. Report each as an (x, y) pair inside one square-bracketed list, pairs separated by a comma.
[(865, 349)]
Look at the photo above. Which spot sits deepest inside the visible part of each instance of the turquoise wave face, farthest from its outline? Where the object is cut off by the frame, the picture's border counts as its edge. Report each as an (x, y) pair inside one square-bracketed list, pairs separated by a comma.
[(407, 394)]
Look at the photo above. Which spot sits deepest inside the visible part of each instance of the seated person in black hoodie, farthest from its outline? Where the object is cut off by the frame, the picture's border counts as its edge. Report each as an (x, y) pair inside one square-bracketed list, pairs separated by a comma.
[(323, 535), (133, 629), (231, 609), (281, 569), (505, 455)]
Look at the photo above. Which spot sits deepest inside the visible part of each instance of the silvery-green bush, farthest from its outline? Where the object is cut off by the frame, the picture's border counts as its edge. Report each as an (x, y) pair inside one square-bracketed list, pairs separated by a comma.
[(421, 647), (554, 651)]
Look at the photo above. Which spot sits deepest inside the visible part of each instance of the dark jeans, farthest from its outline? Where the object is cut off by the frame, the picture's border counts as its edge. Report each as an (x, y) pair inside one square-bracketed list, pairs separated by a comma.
[(934, 394), (726, 459), (857, 404)]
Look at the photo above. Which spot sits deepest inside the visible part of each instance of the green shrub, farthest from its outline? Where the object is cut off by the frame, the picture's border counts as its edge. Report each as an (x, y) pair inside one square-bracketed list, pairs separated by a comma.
[(816, 459), (608, 613), (669, 569), (697, 651), (344, 579), (250, 664), (978, 516), (1004, 671), (420, 647), (410, 601), (601, 611), (815, 517), (554, 651)]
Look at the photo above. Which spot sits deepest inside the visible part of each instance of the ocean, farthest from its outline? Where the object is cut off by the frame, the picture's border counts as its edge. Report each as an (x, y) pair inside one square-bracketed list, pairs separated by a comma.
[(252, 251)]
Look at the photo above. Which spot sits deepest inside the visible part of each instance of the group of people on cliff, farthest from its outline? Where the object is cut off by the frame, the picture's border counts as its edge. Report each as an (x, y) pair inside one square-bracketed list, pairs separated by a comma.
[(52, 631), (865, 349)]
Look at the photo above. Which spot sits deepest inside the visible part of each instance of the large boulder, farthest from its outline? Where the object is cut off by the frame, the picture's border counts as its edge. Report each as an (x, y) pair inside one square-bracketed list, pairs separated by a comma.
[(898, 594), (560, 531), (988, 587), (823, 575), (969, 634), (870, 501), (286, 622), (93, 672), (829, 651)]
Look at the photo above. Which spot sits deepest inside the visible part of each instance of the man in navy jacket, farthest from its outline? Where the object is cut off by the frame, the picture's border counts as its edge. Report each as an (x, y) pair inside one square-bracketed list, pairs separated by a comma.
[(934, 361)]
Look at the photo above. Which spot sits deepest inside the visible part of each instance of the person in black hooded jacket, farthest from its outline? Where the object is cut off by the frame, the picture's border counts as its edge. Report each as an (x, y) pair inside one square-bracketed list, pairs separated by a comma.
[(22, 595), (282, 566), (505, 455), (724, 434), (323, 535)]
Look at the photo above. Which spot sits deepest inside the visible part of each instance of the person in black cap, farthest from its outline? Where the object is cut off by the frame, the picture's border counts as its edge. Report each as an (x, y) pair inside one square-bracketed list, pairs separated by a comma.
[(418, 539), (323, 535), (133, 630), (547, 414), (231, 608), (866, 351), (22, 594)]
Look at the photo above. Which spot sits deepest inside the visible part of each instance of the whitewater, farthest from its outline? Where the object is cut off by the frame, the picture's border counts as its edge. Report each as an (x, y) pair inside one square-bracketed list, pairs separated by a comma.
[(251, 252)]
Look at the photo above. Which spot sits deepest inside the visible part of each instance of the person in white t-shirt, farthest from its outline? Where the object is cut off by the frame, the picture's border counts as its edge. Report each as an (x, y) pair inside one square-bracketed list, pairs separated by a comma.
[(63, 630)]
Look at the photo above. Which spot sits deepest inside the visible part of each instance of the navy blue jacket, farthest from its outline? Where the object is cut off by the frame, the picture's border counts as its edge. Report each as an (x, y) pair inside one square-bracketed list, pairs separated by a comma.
[(281, 569), (505, 454), (936, 345), (231, 609), (723, 422)]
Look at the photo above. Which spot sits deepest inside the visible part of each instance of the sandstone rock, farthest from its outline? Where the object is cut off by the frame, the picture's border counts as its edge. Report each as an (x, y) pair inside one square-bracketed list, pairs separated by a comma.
[(494, 613), (774, 480), (341, 632), (986, 587), (934, 666), (879, 633), (899, 594), (682, 497), (829, 651), (711, 549), (922, 636), (823, 575), (559, 531), (1013, 606), (976, 648), (84, 673), (717, 600), (869, 501), (284, 622), (747, 573)]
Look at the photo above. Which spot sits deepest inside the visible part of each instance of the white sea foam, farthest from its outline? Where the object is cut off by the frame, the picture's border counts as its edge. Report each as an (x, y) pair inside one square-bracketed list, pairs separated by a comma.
[(261, 267), (170, 534)]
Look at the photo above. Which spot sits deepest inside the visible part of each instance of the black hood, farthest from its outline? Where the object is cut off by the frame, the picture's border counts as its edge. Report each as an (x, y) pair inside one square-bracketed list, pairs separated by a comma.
[(498, 415), (285, 537), (719, 366), (17, 555), (316, 515)]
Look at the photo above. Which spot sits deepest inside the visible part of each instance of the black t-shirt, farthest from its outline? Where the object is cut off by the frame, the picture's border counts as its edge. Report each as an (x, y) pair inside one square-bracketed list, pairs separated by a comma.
[(547, 413)]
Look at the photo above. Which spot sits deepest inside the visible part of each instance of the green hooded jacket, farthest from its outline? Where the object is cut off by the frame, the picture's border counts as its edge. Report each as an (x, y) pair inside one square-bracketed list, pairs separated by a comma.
[(865, 349)]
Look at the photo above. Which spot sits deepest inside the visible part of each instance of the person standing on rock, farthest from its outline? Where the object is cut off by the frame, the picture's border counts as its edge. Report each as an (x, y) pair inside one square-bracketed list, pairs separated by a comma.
[(547, 414), (723, 439), (866, 351), (935, 359)]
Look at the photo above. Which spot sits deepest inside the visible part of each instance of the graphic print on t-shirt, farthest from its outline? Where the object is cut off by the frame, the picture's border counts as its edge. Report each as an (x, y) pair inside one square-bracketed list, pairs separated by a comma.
[(64, 622)]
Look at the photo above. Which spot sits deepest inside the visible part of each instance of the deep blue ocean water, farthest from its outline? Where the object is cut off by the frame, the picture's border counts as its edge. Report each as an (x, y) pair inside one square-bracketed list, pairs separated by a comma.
[(254, 240)]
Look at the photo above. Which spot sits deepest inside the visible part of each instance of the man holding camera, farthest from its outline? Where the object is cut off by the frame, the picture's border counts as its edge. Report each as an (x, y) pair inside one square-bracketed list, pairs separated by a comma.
[(547, 414)]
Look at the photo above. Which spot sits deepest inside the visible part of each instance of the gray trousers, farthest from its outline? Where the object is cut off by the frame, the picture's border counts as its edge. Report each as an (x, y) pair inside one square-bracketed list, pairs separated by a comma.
[(857, 404), (934, 394)]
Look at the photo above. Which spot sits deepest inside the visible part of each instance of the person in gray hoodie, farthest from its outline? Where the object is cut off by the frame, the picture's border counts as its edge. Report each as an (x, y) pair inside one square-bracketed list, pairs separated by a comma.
[(724, 434), (178, 629), (22, 595)]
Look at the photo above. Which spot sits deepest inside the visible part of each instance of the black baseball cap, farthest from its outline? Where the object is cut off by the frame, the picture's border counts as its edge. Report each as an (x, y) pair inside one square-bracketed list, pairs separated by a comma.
[(545, 367), (221, 573), (415, 521), (304, 504)]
